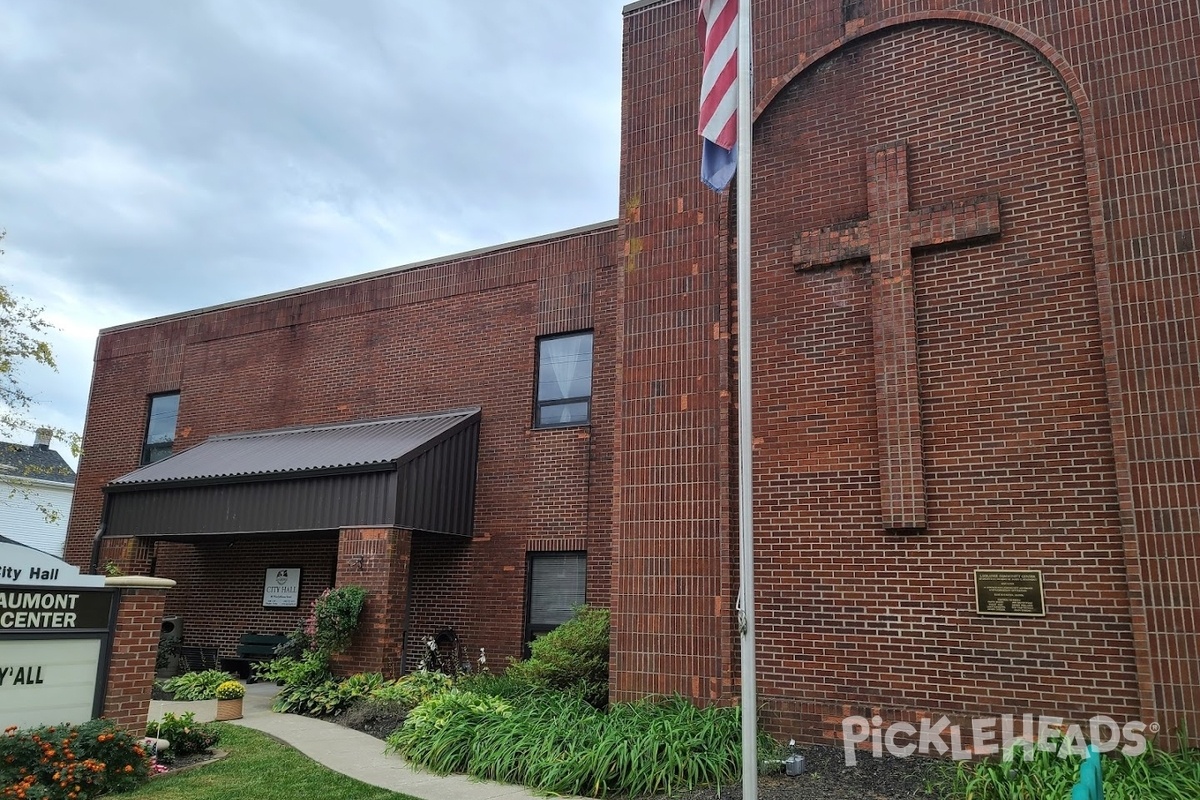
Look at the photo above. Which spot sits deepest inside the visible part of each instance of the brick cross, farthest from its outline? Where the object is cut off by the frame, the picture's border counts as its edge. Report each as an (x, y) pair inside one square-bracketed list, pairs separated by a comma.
[(887, 237)]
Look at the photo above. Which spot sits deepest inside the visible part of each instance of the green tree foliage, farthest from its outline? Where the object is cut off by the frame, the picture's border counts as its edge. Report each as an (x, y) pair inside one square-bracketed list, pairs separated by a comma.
[(23, 331)]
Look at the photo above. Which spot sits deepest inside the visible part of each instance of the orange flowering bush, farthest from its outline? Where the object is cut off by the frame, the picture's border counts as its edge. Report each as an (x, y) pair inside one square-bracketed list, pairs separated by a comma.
[(70, 762)]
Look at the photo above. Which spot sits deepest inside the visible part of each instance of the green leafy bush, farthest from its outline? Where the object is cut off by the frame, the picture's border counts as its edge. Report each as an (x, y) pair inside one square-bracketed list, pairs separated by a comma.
[(335, 617), (558, 744), (306, 682), (187, 737), (360, 685), (311, 667), (330, 695), (571, 658), (412, 689), (70, 762), (197, 685), (510, 687), (308, 686), (298, 642), (1044, 775), (311, 699), (439, 733)]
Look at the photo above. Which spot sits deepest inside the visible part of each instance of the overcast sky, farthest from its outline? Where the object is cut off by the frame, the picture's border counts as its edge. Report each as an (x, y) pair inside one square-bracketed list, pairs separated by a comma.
[(162, 156)]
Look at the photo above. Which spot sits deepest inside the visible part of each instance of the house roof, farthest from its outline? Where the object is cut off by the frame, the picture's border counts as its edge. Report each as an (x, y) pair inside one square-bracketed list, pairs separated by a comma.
[(297, 450), (34, 462)]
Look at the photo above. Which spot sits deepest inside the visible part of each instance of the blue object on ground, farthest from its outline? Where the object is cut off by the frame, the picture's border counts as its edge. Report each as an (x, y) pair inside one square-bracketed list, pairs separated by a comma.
[(1091, 778)]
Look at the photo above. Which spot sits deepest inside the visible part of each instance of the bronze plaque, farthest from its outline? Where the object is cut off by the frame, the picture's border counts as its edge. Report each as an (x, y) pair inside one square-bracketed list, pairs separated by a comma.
[(1009, 592)]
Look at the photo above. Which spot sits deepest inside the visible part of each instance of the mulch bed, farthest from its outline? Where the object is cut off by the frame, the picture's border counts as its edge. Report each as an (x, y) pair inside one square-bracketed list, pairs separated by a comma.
[(826, 777), (377, 719)]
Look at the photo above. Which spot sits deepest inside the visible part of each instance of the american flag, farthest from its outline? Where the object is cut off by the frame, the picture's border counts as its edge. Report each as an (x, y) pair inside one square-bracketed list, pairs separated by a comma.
[(717, 27)]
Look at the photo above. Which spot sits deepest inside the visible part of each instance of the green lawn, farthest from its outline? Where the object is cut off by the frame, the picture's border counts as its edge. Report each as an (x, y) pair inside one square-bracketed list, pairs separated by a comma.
[(258, 768)]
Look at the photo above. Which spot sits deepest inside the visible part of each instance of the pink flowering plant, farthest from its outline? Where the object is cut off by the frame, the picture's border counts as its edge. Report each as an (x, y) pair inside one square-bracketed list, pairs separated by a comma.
[(308, 686)]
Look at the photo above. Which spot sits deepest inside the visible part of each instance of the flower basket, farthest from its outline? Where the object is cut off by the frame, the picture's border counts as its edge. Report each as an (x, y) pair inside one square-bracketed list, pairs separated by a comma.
[(229, 709)]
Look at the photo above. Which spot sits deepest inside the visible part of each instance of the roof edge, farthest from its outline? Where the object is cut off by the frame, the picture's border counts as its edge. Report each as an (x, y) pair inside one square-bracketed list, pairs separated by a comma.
[(452, 412), (256, 477), (365, 276), (638, 5), (37, 482)]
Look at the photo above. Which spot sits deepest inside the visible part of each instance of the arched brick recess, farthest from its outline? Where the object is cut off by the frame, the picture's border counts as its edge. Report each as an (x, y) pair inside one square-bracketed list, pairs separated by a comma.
[(983, 110)]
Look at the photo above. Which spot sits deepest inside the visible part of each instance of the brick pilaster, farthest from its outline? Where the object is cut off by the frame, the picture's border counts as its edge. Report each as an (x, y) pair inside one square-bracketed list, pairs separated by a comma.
[(131, 556), (134, 650), (376, 559)]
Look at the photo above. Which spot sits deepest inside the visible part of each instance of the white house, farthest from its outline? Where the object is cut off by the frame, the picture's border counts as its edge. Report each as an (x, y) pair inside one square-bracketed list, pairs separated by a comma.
[(36, 487)]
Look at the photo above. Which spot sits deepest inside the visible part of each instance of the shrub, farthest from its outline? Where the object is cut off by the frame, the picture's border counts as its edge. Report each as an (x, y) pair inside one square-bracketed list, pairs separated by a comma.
[(308, 688), (334, 617), (298, 642), (510, 687), (412, 689), (1028, 772), (571, 658), (187, 737), (69, 762), (303, 680), (311, 699), (358, 687), (330, 695), (230, 690), (558, 744), (438, 733), (197, 685)]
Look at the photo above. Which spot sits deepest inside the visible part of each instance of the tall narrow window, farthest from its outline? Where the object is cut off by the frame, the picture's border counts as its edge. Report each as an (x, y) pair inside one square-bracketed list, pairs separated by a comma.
[(564, 380), (556, 587), (160, 427)]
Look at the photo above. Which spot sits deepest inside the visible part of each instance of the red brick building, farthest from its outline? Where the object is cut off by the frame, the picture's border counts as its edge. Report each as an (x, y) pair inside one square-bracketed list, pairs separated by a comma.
[(976, 349), (464, 333)]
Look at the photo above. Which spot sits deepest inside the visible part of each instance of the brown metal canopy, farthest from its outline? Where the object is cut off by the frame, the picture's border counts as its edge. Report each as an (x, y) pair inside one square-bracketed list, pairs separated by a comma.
[(415, 472)]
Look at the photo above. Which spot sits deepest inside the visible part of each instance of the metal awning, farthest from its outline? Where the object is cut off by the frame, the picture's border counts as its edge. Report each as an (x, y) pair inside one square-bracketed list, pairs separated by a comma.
[(415, 472)]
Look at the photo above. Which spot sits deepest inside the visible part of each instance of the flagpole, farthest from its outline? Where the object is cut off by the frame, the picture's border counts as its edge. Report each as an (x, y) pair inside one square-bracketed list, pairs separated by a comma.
[(745, 429)]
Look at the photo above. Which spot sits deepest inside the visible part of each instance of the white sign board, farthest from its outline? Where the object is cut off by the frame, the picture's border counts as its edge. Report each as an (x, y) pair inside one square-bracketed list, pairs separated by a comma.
[(281, 589), (47, 681), (24, 566)]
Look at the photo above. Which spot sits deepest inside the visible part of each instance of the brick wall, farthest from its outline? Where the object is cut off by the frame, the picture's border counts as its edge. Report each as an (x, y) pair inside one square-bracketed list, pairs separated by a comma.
[(219, 586), (1056, 364), (450, 334)]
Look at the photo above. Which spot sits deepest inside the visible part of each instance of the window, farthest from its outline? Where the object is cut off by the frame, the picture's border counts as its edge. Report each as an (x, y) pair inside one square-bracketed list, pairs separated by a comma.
[(564, 380), (555, 588), (160, 427)]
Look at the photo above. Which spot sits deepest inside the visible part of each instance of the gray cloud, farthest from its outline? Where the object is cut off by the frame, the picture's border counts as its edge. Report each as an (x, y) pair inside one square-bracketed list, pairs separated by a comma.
[(156, 157)]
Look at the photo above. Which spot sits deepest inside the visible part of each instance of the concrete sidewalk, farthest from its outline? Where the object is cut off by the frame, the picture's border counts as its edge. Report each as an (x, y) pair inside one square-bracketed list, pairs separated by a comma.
[(347, 751)]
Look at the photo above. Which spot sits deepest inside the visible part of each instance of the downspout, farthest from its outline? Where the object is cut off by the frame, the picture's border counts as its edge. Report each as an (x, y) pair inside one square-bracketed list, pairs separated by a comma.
[(100, 532)]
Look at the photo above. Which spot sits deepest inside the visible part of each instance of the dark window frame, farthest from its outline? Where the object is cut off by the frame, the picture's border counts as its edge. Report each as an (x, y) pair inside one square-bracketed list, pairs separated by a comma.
[(539, 404), (533, 631), (147, 445)]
